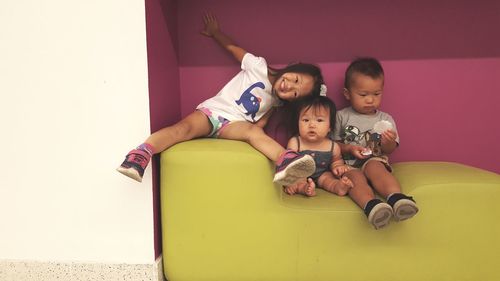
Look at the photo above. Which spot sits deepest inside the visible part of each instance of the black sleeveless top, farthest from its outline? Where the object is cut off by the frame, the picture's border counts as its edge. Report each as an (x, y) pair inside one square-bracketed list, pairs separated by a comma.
[(323, 159)]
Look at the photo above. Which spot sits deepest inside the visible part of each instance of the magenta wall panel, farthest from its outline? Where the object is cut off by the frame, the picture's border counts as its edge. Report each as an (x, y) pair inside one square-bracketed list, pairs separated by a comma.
[(446, 110)]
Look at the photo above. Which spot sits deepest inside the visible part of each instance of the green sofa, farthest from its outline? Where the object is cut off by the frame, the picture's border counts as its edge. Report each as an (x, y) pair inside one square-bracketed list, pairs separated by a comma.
[(224, 219)]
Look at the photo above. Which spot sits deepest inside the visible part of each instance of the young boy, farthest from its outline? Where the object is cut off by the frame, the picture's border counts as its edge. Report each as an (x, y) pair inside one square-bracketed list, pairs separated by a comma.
[(367, 136)]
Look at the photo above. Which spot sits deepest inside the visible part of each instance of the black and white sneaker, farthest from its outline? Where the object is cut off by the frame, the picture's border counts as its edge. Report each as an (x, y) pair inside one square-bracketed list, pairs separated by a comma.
[(403, 206), (379, 213)]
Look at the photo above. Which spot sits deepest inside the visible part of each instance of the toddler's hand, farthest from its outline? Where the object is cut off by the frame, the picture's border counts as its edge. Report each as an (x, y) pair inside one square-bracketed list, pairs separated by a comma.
[(358, 151), (388, 136), (211, 25), (340, 170)]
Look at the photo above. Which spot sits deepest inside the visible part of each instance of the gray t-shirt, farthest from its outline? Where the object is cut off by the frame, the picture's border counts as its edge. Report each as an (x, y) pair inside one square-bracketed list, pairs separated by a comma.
[(352, 127)]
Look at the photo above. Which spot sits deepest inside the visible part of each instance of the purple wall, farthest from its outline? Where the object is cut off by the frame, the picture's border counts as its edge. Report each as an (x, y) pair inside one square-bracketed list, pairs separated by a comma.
[(164, 88), (440, 57), (446, 110), (335, 31)]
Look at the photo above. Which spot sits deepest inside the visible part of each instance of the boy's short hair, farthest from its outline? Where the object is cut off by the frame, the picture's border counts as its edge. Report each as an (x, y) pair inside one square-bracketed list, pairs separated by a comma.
[(367, 66)]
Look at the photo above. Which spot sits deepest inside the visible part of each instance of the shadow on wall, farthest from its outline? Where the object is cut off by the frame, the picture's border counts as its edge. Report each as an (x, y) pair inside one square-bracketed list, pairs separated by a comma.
[(336, 31)]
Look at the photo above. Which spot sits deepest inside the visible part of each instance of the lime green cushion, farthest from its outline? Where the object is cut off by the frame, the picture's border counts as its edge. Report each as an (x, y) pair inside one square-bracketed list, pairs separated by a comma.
[(224, 219)]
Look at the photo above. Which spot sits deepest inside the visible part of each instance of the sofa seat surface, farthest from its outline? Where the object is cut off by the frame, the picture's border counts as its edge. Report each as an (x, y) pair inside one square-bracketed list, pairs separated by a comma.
[(224, 219)]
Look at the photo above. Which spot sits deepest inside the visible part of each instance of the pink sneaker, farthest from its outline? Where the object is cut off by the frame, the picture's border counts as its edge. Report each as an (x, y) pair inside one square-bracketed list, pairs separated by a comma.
[(135, 163), (293, 166)]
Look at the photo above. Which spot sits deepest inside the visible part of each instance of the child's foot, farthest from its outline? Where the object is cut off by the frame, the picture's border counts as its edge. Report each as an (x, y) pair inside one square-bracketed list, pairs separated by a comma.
[(379, 213), (343, 185), (292, 166), (403, 206), (135, 163), (307, 188)]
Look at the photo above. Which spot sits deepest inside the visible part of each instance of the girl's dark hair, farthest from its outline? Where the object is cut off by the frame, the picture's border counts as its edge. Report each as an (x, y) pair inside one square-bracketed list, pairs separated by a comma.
[(367, 66), (288, 108), (313, 102), (305, 68)]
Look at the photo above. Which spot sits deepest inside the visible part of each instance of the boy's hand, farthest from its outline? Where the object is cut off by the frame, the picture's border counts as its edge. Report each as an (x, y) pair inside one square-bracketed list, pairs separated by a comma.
[(388, 137), (357, 151), (211, 25)]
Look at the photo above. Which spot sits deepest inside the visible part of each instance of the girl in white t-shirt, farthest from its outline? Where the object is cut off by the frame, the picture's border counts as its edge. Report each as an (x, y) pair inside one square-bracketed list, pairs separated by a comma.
[(239, 112)]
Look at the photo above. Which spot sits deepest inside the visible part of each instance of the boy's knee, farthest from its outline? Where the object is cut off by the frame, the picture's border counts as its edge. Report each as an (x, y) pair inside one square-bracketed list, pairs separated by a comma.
[(356, 176), (354, 173), (375, 166)]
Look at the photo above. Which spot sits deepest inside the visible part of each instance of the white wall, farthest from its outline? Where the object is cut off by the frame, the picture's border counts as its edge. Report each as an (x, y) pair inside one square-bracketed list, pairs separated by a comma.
[(74, 100)]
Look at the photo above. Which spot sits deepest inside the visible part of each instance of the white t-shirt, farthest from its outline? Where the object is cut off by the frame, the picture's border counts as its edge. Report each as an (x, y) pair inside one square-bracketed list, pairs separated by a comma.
[(248, 96)]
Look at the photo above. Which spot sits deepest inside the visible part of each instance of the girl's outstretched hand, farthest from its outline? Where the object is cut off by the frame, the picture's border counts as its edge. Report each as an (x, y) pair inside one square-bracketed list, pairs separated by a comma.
[(211, 25), (212, 29)]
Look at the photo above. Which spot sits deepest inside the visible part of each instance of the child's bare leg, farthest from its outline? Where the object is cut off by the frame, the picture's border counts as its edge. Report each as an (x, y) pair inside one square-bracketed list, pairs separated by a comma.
[(290, 165), (194, 125), (384, 182), (302, 186), (255, 136), (378, 213), (330, 183), (361, 192)]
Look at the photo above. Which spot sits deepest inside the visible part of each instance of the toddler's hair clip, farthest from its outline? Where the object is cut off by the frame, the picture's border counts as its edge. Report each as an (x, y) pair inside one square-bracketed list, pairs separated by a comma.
[(322, 90)]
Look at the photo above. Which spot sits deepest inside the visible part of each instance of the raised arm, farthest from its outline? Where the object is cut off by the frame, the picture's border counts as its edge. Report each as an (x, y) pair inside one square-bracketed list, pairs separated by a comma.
[(212, 29)]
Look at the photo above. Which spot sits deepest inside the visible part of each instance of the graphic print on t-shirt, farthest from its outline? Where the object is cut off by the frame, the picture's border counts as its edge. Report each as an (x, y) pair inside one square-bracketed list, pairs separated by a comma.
[(353, 135), (250, 102)]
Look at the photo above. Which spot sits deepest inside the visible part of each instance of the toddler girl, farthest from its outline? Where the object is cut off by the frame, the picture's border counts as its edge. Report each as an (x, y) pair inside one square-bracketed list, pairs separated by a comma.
[(315, 120)]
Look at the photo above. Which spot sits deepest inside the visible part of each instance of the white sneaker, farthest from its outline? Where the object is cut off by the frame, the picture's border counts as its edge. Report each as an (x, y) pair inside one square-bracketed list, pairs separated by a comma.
[(380, 215), (403, 206)]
